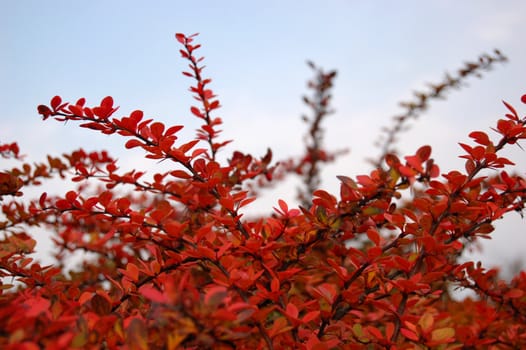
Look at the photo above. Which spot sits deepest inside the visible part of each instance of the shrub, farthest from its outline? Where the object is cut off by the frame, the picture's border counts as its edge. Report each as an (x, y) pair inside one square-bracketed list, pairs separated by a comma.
[(178, 266)]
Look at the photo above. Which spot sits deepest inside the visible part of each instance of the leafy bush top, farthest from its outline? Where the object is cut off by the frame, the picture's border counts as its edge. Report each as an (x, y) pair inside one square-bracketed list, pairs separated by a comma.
[(178, 266)]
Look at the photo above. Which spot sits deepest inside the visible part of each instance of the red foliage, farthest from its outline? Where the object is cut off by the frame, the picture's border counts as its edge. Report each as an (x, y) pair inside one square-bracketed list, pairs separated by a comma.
[(176, 265)]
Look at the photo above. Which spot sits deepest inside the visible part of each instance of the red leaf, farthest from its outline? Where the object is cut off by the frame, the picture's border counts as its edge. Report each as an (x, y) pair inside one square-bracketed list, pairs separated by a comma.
[(157, 130), (42, 200), (105, 198), (71, 196), (373, 236), (504, 126), (184, 54), (214, 105), (470, 166), (480, 137), (409, 334), (375, 332), (107, 102), (415, 162), (133, 143), (115, 283), (389, 330), (514, 293), (55, 102), (406, 171), (62, 204), (77, 110), (374, 252), (283, 206), (123, 204), (246, 202), (223, 249), (174, 228), (94, 126), (136, 116), (181, 174), (310, 316), (227, 203), (195, 111), (205, 252), (109, 235), (100, 305), (424, 152), (37, 306), (44, 111), (173, 129), (188, 146), (197, 152), (153, 294), (326, 291), (292, 310), (274, 285), (180, 38), (514, 115)]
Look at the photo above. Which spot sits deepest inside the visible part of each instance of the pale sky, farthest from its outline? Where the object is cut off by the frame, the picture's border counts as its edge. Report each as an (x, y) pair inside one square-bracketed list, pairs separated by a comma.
[(255, 53)]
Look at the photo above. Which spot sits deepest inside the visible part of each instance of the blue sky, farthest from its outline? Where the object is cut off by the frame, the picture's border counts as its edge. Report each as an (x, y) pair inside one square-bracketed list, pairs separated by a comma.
[(255, 53)]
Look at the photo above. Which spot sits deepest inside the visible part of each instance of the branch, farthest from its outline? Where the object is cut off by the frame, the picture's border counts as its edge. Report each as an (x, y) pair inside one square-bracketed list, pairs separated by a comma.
[(416, 107)]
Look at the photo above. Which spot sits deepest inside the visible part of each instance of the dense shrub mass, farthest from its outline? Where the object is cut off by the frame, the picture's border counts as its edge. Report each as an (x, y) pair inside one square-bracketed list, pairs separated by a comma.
[(177, 265)]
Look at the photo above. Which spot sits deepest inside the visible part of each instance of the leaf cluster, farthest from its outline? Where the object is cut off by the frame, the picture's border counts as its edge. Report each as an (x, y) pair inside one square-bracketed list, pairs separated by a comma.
[(176, 265)]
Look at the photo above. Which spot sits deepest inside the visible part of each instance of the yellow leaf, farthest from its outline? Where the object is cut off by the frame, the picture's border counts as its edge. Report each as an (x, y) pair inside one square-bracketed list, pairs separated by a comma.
[(370, 276), (175, 339), (357, 330), (426, 322), (79, 340), (442, 334)]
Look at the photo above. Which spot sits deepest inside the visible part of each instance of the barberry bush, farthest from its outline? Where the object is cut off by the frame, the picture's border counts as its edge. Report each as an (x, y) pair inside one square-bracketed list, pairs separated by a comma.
[(174, 264)]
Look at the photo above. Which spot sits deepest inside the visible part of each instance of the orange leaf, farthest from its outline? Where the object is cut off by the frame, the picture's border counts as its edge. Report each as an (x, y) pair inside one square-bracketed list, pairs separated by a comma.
[(85, 297), (132, 272), (136, 335)]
